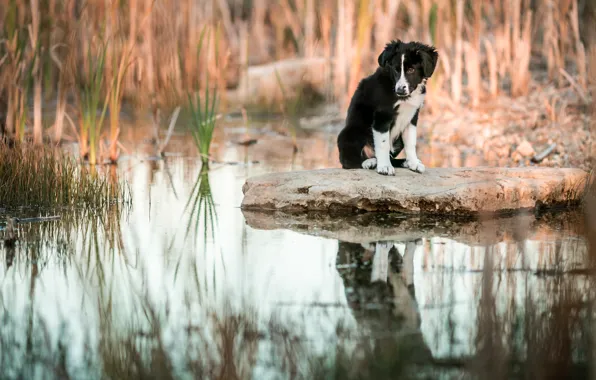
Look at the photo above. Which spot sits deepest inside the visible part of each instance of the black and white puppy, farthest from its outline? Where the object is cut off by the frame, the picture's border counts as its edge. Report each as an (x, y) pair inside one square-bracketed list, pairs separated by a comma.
[(383, 112)]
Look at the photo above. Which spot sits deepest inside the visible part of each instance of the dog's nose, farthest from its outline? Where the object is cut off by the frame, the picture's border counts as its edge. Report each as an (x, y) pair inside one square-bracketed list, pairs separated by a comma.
[(401, 90)]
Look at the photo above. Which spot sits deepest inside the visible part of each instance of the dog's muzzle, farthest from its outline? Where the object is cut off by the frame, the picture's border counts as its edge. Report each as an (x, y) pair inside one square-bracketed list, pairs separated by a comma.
[(401, 91)]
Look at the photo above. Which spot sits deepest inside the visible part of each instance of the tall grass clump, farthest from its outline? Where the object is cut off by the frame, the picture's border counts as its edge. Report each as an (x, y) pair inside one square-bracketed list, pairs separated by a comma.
[(90, 99), (203, 123), (45, 177), (203, 114)]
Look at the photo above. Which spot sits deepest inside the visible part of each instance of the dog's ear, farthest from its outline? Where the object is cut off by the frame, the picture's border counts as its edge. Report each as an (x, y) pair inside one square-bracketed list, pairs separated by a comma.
[(383, 58), (429, 56), (388, 52)]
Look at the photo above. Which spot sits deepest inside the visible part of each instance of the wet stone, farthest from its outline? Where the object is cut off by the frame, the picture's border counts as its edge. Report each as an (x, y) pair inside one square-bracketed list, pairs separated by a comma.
[(455, 191)]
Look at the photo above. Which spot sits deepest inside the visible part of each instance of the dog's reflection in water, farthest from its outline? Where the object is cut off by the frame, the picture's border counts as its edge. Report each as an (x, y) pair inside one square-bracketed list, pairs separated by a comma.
[(379, 284)]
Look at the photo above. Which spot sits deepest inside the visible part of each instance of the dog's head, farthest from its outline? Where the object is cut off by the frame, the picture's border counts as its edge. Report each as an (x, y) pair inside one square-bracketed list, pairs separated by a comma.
[(409, 65)]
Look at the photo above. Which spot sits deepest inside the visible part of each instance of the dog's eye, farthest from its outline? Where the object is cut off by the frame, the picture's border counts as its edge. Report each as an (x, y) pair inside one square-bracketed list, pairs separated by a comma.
[(410, 70)]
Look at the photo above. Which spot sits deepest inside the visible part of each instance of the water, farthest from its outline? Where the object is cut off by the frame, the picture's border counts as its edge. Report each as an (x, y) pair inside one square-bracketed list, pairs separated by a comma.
[(184, 284)]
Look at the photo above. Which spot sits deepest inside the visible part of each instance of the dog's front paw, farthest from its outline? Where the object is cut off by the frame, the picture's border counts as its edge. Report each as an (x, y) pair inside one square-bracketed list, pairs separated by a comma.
[(386, 169), (370, 163), (414, 165)]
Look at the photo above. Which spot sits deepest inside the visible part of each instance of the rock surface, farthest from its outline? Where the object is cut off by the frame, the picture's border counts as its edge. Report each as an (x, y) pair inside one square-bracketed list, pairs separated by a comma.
[(261, 85), (447, 191)]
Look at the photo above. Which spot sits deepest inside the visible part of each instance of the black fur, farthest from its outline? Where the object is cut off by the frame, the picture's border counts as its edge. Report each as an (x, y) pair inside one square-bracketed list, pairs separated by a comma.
[(373, 103)]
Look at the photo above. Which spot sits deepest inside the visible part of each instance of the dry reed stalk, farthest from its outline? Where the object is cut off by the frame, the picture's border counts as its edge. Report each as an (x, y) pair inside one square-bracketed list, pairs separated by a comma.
[(591, 72), (550, 45), (10, 113), (111, 30), (456, 76), (580, 51), (503, 41), (493, 75), (116, 76), (278, 24), (379, 18), (443, 37), (588, 20), (592, 82), (9, 79), (84, 40), (309, 29), (437, 22), (167, 58), (339, 74), (219, 57), (425, 6), (563, 13), (60, 107), (221, 80), (473, 73), (132, 40), (204, 57), (325, 26), (47, 67), (148, 47), (259, 36), (515, 18), (191, 42), (177, 47), (477, 35), (362, 44), (34, 35), (520, 71), (22, 13), (414, 18), (560, 13), (348, 54), (300, 7), (292, 19), (577, 87), (22, 116), (243, 60), (226, 16), (66, 68), (210, 57)]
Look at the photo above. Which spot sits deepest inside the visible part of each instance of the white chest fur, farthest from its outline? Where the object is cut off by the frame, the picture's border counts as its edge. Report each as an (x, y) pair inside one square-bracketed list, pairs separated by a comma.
[(406, 111)]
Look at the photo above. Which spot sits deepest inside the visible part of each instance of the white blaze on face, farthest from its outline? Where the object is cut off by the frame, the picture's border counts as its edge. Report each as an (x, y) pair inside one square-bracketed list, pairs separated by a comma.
[(402, 82)]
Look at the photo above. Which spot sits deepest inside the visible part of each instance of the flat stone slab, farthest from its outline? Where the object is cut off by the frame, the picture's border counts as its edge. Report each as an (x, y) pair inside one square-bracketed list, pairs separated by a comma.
[(456, 191)]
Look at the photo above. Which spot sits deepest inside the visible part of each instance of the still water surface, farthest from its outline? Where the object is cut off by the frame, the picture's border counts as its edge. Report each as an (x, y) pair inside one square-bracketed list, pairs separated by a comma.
[(182, 284)]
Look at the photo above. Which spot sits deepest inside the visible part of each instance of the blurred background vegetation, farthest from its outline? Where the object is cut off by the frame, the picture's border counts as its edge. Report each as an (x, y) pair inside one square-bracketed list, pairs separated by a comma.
[(72, 58)]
